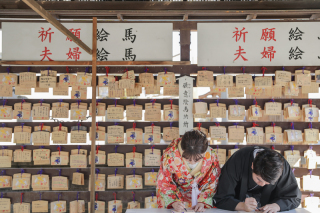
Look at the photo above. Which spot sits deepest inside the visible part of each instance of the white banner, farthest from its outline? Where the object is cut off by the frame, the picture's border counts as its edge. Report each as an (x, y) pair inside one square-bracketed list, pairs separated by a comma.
[(134, 42), (43, 42), (185, 104), (115, 42), (259, 44)]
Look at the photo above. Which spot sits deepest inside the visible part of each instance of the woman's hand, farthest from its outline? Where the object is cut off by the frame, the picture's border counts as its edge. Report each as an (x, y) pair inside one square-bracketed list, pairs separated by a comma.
[(199, 207), (178, 206)]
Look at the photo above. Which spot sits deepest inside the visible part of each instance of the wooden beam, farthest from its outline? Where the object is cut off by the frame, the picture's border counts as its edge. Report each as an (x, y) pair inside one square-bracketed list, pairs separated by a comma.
[(93, 123), (46, 63), (120, 17), (151, 5), (151, 63), (315, 16), (99, 63), (46, 15), (185, 17), (251, 16)]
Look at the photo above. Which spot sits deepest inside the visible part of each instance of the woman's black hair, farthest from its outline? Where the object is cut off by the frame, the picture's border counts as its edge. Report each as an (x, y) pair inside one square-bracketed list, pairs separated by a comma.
[(194, 143), (269, 165)]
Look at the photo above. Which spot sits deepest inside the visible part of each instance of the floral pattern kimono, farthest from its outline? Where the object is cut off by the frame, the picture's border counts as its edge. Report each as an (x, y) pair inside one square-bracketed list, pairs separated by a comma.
[(176, 180)]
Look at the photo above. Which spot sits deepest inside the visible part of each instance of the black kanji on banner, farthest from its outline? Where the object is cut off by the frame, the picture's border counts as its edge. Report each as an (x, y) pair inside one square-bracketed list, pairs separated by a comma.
[(295, 34), (102, 35), (102, 55), (128, 55), (295, 53), (129, 36)]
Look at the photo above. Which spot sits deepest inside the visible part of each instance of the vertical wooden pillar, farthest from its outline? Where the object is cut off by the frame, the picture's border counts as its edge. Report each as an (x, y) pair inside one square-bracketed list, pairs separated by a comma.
[(185, 44), (93, 124)]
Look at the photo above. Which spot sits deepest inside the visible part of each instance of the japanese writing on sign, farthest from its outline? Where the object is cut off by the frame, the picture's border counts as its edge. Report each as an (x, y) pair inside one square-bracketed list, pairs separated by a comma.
[(185, 104), (115, 42), (44, 42), (134, 42), (259, 44)]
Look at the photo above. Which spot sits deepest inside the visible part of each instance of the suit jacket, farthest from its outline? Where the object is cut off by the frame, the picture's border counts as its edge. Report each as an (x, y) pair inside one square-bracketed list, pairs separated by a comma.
[(233, 184)]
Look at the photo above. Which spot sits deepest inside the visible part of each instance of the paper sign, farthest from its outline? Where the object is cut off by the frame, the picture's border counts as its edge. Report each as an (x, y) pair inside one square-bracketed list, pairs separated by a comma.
[(185, 104)]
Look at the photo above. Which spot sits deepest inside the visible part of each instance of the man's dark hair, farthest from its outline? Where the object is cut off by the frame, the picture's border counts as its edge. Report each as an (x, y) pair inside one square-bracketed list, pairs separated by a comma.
[(194, 143), (269, 165)]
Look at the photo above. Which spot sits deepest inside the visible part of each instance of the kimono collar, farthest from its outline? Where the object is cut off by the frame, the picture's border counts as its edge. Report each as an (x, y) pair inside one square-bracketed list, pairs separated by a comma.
[(195, 170)]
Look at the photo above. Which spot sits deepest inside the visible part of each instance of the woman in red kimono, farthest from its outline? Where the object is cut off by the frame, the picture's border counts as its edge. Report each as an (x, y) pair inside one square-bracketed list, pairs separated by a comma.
[(188, 175)]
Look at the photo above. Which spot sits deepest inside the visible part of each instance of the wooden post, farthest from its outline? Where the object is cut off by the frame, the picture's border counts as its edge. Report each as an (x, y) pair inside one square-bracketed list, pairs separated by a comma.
[(93, 107), (185, 44), (46, 15)]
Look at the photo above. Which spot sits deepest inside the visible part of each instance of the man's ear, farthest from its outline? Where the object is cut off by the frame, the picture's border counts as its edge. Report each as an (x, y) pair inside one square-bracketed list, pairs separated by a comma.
[(252, 165)]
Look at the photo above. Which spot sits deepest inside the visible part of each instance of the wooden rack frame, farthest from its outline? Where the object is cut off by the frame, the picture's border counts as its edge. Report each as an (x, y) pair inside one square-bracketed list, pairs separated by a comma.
[(184, 17)]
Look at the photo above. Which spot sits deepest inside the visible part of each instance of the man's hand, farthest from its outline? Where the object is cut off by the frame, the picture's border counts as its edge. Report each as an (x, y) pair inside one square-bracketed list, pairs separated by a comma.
[(178, 206), (270, 208), (248, 205), (199, 207)]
